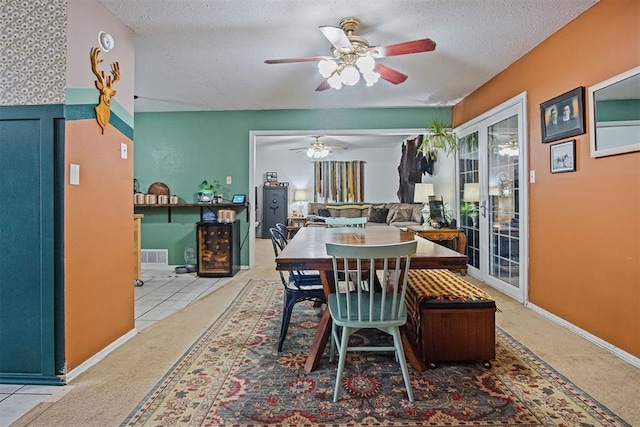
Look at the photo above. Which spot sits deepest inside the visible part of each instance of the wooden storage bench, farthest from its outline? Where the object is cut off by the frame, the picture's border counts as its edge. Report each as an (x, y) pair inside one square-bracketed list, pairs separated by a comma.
[(449, 318)]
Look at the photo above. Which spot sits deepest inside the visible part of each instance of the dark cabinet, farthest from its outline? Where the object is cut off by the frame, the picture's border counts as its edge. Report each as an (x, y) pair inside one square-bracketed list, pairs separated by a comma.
[(274, 207), (218, 248)]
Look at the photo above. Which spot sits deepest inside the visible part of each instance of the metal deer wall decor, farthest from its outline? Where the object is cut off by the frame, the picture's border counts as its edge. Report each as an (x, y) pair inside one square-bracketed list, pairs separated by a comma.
[(103, 109)]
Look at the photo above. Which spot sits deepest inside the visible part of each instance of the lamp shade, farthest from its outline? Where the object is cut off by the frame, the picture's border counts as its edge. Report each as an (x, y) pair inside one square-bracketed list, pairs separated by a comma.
[(299, 196), (421, 192), (471, 192)]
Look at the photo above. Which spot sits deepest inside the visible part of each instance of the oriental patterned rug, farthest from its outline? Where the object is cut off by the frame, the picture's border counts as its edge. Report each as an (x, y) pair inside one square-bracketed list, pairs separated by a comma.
[(233, 376)]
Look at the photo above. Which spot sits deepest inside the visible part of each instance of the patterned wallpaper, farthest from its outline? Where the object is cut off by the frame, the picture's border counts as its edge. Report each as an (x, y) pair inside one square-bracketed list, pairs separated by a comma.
[(33, 51)]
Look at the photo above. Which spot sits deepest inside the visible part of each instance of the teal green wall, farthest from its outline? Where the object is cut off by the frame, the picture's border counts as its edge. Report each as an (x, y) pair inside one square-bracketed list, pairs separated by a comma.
[(618, 110), (181, 149)]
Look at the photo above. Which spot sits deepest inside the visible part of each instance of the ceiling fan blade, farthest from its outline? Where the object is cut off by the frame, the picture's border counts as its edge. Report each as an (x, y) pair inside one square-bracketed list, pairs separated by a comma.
[(389, 74), (299, 59), (324, 85), (406, 48), (336, 37)]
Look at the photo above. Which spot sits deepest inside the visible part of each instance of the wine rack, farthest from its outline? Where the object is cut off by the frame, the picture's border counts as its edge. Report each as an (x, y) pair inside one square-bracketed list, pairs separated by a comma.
[(218, 248)]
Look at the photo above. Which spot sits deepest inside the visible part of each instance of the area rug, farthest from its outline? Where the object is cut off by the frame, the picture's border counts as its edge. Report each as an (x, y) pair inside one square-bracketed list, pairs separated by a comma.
[(233, 376)]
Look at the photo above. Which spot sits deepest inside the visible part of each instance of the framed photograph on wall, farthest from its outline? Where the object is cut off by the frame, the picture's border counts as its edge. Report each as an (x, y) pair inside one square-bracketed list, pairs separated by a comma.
[(272, 177), (563, 116), (563, 157)]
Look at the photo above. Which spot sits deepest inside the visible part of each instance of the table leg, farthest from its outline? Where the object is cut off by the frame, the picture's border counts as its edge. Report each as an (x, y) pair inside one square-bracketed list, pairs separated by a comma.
[(324, 327), (319, 342), (462, 248)]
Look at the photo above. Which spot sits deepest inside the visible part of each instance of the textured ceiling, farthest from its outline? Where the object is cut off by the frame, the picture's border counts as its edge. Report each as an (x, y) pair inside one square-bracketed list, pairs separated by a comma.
[(209, 54)]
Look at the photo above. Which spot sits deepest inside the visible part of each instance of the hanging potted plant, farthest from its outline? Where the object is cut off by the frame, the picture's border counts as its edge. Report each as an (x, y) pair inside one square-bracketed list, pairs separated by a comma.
[(439, 138), (208, 191)]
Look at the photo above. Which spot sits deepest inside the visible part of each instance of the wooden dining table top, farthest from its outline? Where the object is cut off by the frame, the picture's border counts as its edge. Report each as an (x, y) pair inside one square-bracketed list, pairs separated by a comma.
[(307, 249)]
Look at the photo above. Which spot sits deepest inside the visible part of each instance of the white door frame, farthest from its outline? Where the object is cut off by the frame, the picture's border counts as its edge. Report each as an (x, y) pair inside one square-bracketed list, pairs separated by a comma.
[(516, 105), (254, 140)]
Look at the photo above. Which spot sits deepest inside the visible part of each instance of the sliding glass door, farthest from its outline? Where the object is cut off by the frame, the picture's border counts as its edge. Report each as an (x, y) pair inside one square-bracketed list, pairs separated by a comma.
[(492, 198)]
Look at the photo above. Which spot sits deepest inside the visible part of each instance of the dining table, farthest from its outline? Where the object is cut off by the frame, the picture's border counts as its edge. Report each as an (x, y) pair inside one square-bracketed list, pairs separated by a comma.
[(307, 251)]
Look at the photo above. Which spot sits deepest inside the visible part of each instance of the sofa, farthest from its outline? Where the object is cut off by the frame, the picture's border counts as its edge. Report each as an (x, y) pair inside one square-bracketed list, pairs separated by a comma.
[(393, 213)]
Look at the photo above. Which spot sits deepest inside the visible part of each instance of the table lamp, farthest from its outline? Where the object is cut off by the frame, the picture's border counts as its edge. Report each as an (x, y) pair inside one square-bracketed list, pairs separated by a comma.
[(299, 196), (421, 193), (471, 192)]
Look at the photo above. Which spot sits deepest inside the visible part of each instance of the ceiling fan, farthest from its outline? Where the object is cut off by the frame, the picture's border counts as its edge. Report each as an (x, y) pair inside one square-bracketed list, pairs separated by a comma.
[(318, 149), (351, 56)]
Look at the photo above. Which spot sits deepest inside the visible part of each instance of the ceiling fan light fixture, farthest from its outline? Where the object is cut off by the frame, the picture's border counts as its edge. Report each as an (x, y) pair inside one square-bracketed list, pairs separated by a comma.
[(335, 81), (327, 67), (371, 77), (365, 64), (313, 154), (317, 150), (350, 75)]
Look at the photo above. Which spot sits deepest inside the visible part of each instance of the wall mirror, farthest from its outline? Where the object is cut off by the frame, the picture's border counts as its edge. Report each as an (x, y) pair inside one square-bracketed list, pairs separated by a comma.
[(614, 109)]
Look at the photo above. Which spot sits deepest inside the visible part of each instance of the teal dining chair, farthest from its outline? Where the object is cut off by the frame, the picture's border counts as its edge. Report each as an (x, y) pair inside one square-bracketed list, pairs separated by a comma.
[(355, 307), (360, 221)]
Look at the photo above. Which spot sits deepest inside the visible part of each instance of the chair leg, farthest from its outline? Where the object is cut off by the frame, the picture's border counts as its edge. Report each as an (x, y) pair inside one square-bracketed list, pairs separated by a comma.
[(333, 342), (397, 341), (286, 317), (342, 351)]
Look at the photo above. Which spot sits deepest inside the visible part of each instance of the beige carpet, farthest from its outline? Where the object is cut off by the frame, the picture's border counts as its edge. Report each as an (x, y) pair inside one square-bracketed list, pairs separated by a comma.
[(110, 390)]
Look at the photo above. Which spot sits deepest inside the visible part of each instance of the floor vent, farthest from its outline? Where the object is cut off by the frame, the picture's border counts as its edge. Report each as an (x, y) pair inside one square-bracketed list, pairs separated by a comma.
[(155, 258)]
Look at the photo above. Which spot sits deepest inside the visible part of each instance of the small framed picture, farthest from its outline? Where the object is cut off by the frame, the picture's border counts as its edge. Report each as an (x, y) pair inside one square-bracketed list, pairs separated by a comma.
[(272, 177), (563, 157), (563, 116)]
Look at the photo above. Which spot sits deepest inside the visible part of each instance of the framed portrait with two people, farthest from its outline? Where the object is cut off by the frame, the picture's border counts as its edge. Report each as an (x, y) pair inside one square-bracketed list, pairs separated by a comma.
[(563, 116)]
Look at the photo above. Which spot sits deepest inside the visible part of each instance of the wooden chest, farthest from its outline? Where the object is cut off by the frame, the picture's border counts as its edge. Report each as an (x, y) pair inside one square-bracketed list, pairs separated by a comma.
[(450, 326)]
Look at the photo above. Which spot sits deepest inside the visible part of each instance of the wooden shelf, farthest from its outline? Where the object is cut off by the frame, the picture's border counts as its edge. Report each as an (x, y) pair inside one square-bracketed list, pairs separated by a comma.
[(201, 206)]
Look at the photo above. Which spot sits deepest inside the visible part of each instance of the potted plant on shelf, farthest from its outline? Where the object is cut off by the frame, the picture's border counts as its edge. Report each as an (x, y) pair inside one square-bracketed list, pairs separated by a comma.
[(208, 191)]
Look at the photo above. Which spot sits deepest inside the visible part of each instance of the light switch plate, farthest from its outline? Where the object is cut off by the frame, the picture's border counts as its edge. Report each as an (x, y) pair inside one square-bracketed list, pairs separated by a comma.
[(532, 177), (228, 179), (74, 174), (123, 151)]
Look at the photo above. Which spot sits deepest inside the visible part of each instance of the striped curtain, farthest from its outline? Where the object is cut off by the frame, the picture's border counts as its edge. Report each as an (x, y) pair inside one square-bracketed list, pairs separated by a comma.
[(338, 181)]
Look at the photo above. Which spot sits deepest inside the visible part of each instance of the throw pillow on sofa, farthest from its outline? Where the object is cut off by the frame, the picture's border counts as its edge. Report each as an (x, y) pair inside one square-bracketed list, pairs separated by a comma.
[(324, 212), (403, 215), (378, 215)]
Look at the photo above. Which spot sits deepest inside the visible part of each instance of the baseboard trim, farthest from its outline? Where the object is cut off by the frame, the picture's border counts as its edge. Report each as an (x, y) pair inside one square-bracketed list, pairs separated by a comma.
[(627, 357), (73, 374)]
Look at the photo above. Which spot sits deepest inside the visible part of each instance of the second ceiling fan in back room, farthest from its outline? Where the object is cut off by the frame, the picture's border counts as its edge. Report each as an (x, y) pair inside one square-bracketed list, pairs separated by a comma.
[(318, 149), (351, 56)]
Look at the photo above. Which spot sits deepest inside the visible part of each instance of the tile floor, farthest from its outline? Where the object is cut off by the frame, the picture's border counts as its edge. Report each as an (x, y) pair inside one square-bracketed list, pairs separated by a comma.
[(164, 292)]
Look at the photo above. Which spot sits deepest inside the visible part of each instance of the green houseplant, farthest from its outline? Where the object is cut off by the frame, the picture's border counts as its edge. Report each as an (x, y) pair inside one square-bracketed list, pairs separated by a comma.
[(438, 138), (208, 191), (468, 213)]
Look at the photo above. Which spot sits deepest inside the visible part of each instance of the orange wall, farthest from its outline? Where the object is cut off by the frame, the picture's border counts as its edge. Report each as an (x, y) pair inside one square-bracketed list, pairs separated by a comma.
[(584, 227), (99, 291), (98, 213)]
